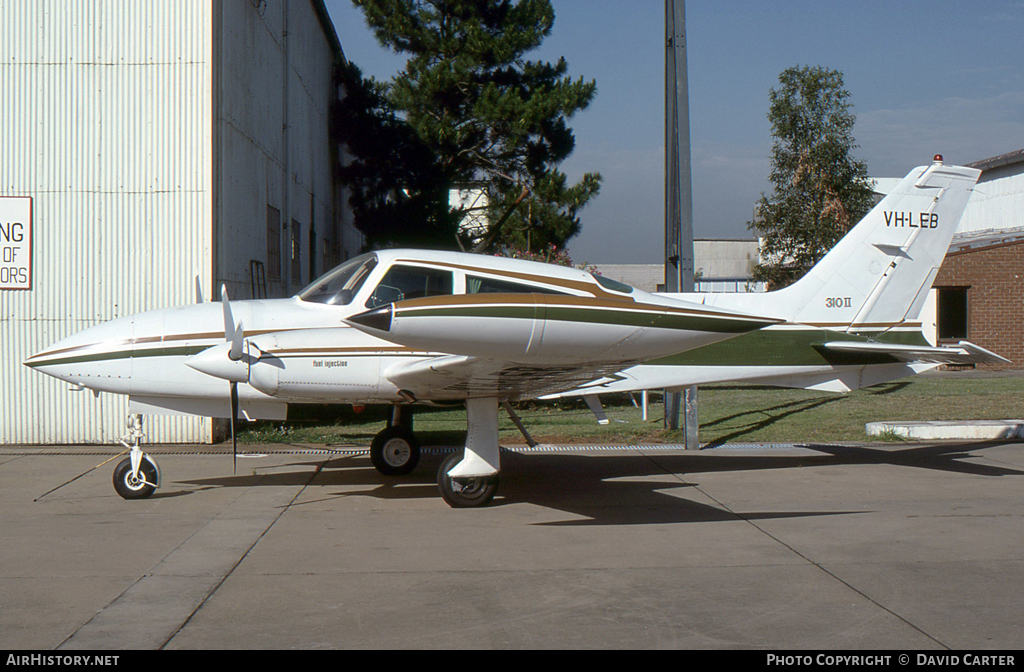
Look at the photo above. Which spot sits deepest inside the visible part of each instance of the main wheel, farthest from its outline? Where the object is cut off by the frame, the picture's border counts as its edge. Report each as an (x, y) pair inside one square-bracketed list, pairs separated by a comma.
[(395, 451), (461, 493), (135, 488)]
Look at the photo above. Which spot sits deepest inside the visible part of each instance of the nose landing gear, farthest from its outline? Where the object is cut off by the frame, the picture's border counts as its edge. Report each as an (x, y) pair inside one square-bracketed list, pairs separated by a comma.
[(136, 476)]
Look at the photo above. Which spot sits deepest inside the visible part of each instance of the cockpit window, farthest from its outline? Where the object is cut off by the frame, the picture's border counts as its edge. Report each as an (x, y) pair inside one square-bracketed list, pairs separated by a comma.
[(613, 285), (476, 285), (338, 286), (410, 282)]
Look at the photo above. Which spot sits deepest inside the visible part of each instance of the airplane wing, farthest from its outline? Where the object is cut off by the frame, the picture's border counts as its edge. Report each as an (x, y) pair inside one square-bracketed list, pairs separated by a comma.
[(457, 376), (962, 353)]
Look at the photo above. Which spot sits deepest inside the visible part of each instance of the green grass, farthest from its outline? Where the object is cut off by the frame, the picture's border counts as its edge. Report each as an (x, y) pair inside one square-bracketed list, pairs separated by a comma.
[(736, 413)]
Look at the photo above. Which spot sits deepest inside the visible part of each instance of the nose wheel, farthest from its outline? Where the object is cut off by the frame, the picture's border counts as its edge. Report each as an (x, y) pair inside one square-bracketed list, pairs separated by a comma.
[(136, 476), (132, 484)]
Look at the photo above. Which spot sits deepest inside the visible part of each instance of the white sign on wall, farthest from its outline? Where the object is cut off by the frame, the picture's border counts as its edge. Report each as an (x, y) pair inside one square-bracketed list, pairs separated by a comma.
[(15, 242)]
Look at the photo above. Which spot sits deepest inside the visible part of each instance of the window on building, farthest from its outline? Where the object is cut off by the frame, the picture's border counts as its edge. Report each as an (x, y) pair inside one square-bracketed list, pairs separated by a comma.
[(296, 252), (952, 312), (273, 243), (312, 253)]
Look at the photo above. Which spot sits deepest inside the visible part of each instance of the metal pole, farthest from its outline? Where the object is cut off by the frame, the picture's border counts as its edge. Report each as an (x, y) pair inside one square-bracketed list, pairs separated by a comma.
[(678, 184)]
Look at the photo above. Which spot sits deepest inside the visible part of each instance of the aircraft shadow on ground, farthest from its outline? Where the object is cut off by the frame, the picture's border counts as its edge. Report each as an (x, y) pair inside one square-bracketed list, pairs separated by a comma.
[(762, 418), (636, 489)]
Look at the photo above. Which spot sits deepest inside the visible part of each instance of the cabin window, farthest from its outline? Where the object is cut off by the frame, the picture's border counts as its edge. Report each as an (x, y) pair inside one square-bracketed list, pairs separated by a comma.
[(478, 285), (410, 282), (613, 285)]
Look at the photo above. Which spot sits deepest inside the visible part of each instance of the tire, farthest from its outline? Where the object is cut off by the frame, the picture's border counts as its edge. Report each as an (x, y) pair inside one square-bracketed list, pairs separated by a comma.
[(129, 489), (395, 451), (464, 493)]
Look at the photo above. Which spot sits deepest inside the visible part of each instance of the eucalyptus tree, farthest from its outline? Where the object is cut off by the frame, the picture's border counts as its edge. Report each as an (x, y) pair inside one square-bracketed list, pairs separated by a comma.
[(820, 189)]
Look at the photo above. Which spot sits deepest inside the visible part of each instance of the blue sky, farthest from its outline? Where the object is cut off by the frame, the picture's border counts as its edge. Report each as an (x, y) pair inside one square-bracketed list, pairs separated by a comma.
[(943, 76)]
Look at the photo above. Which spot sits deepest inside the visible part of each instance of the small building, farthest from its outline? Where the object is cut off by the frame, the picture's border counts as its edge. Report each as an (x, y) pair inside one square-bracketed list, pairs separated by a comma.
[(721, 265), (978, 294), (155, 144)]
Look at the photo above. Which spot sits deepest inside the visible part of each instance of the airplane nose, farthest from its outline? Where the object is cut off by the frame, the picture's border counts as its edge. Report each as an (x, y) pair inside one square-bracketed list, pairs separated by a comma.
[(98, 357), (53, 360)]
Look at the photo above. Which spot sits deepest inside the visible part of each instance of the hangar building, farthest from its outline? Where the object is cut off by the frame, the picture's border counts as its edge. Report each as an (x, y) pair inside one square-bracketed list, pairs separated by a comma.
[(152, 143)]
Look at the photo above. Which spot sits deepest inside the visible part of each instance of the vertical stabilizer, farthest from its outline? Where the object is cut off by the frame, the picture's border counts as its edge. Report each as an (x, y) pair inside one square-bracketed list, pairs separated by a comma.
[(880, 272)]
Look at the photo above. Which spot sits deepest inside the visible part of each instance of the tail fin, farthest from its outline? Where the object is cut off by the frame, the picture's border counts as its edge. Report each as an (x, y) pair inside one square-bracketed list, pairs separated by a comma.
[(880, 273)]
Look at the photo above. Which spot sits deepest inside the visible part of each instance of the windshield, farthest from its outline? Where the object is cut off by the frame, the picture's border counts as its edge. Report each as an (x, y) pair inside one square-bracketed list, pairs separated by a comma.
[(338, 286)]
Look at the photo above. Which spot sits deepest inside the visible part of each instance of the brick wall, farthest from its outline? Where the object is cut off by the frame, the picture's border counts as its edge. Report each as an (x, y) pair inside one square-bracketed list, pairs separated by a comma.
[(994, 277)]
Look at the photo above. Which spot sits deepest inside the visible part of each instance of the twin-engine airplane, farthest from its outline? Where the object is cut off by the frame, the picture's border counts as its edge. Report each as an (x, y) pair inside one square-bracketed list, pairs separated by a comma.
[(402, 326)]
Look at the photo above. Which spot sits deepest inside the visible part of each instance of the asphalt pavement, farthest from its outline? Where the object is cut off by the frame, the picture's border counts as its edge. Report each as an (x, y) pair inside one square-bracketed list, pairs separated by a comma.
[(890, 546)]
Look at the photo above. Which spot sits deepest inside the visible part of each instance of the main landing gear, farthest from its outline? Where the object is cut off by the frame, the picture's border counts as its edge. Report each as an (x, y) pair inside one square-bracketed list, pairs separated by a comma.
[(136, 476), (466, 479), (464, 493), (395, 450)]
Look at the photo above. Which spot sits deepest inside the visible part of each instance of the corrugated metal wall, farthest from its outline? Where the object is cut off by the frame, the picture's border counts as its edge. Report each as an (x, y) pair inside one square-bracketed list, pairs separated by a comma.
[(996, 201), (106, 125)]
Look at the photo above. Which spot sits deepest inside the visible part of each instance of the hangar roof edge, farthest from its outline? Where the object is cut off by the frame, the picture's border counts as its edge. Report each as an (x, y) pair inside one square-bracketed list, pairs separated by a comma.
[(974, 240), (329, 30), (997, 161)]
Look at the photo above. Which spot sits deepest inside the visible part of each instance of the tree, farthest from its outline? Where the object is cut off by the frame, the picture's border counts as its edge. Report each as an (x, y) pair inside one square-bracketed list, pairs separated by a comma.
[(491, 119), (820, 190), (396, 191)]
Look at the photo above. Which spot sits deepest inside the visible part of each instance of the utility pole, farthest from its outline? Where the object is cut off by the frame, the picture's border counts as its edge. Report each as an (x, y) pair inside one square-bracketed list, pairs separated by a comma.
[(678, 193)]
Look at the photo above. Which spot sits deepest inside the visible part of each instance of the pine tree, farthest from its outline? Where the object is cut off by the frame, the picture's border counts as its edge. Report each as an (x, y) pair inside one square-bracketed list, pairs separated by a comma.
[(396, 190), (820, 190), (491, 119)]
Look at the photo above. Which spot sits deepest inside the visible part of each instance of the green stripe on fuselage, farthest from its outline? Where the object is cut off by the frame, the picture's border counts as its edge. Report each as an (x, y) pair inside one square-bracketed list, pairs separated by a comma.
[(790, 347), (598, 316), (176, 351)]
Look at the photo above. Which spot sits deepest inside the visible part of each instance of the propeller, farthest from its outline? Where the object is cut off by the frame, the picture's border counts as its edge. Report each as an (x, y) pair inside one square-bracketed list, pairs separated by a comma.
[(233, 334)]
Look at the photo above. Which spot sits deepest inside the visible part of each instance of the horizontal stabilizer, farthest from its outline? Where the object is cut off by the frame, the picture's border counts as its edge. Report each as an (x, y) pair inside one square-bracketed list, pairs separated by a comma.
[(961, 353)]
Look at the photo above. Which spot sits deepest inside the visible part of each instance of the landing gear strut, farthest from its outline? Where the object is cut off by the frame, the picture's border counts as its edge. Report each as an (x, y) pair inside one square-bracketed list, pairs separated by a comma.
[(470, 479), (136, 476)]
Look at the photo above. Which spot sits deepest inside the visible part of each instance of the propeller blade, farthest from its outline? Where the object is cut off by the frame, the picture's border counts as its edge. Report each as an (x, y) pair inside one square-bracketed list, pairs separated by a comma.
[(234, 433), (233, 333)]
